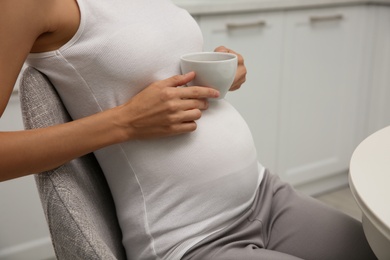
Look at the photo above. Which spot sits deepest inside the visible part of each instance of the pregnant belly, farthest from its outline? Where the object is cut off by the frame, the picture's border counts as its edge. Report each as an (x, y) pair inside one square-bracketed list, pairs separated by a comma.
[(209, 175), (222, 144)]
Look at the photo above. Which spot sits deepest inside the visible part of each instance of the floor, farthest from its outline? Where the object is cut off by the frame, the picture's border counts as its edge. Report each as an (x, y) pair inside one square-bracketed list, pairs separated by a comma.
[(343, 200)]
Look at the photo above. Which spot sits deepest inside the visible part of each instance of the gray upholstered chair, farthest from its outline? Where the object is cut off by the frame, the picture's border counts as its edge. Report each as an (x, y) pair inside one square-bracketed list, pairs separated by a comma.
[(75, 197)]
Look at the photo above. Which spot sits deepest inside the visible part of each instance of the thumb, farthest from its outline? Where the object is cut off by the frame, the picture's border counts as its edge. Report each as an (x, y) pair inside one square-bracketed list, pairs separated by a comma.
[(221, 49)]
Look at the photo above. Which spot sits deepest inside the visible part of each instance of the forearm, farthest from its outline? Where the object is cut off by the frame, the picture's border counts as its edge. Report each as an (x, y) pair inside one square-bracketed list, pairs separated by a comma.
[(160, 110), (37, 150)]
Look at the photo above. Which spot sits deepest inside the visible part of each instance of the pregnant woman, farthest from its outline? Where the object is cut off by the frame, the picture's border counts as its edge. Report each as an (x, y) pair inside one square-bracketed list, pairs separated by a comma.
[(182, 168)]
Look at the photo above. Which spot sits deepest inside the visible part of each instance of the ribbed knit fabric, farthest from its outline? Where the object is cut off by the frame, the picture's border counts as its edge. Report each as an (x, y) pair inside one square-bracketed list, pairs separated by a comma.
[(170, 193)]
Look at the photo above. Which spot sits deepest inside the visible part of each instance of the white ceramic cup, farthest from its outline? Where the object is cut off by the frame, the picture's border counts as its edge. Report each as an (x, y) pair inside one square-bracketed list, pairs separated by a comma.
[(212, 69)]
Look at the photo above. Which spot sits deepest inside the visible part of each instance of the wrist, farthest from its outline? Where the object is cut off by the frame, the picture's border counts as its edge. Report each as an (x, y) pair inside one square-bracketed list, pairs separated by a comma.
[(121, 124)]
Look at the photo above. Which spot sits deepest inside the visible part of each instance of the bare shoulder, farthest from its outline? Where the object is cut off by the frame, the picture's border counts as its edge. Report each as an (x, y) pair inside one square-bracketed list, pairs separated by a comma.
[(47, 21), (26, 14), (22, 22)]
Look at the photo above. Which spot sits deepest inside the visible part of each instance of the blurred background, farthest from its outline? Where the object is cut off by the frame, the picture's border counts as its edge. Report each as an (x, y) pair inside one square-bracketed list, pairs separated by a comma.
[(318, 83)]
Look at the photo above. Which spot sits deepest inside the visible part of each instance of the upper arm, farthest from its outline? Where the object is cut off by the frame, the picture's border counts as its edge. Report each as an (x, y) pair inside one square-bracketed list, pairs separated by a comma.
[(21, 22)]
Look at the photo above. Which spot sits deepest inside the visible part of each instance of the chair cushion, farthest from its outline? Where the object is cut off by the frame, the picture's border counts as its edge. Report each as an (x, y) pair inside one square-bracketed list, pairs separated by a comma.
[(75, 197)]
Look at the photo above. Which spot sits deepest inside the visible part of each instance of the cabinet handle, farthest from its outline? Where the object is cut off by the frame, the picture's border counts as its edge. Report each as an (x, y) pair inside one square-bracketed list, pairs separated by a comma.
[(231, 26), (336, 17)]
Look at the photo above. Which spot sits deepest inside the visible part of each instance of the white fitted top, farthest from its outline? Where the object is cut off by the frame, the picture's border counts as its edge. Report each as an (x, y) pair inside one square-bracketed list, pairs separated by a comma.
[(170, 193)]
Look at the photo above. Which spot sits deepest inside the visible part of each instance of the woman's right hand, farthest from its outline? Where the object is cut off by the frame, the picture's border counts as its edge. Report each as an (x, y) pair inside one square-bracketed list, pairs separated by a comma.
[(164, 108)]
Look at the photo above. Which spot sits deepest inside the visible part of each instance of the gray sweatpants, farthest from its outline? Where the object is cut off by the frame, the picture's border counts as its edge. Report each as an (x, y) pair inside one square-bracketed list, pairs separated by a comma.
[(286, 225)]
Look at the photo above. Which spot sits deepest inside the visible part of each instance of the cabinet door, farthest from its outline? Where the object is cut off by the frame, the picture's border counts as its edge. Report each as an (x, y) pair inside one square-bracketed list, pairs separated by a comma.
[(258, 37), (320, 92)]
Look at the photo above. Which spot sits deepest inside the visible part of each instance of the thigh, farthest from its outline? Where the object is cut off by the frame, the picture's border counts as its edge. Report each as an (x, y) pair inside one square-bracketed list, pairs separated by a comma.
[(246, 237), (306, 228), (286, 225), (238, 252)]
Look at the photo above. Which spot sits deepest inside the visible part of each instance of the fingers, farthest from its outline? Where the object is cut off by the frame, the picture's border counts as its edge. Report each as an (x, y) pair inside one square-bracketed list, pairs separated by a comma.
[(163, 109), (222, 49), (193, 92), (180, 80), (184, 122), (240, 59), (184, 111), (183, 117), (182, 128), (201, 104), (196, 92), (240, 77)]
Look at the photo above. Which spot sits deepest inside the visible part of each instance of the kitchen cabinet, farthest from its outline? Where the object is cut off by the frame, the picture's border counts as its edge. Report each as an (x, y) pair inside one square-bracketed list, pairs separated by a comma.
[(307, 97), (320, 92)]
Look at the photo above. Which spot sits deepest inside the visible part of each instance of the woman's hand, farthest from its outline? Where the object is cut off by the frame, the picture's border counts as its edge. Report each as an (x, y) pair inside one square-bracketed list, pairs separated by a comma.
[(241, 69), (164, 108)]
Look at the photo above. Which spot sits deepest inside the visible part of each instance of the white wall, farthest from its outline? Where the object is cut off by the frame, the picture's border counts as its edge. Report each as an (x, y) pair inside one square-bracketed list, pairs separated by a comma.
[(24, 234)]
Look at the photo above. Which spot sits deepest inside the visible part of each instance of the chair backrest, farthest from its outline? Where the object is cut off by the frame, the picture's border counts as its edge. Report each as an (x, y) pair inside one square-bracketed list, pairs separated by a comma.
[(76, 200)]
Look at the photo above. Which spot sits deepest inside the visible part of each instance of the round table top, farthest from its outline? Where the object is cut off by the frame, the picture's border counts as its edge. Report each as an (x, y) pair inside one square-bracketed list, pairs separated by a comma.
[(369, 179)]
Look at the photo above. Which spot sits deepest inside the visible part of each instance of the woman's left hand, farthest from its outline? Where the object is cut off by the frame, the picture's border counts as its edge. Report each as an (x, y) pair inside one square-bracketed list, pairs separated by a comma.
[(241, 69)]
